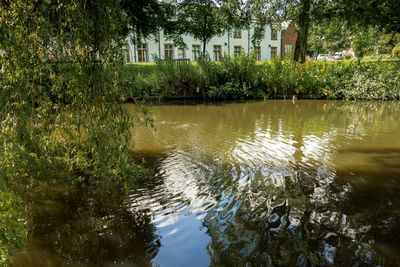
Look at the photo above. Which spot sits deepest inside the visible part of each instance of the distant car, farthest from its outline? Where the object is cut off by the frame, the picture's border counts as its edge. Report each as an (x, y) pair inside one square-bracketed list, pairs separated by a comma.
[(326, 56), (338, 56)]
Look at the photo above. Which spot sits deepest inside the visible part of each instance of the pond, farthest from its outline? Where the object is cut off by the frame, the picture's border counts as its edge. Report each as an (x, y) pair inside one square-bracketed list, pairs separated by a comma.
[(243, 184)]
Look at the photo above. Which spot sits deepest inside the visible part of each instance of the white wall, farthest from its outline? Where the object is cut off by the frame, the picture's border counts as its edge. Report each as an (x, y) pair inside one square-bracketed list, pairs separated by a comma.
[(227, 44)]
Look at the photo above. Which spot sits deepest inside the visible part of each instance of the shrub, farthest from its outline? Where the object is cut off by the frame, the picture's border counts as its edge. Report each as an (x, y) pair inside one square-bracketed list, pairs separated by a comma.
[(396, 51), (242, 71), (360, 44), (242, 78), (177, 79), (13, 226), (347, 56), (229, 90)]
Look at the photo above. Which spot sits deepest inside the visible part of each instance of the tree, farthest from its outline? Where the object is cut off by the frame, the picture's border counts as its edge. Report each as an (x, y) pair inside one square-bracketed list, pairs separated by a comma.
[(147, 17), (385, 42), (303, 25), (61, 79), (58, 61), (382, 14), (274, 12), (200, 19), (328, 35), (360, 43)]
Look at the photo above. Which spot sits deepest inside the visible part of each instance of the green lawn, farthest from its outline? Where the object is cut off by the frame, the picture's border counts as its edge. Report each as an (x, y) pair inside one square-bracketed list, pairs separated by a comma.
[(143, 68), (148, 68)]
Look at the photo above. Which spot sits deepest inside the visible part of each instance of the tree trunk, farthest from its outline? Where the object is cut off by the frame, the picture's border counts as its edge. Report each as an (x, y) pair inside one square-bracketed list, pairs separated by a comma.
[(302, 31), (204, 47), (205, 25)]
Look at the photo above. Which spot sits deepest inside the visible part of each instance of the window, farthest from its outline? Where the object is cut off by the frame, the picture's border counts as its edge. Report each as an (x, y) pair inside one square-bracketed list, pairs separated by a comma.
[(169, 51), (274, 35), (257, 51), (196, 52), (273, 52), (237, 33), (236, 51), (143, 52), (288, 49), (217, 52), (181, 53), (127, 53)]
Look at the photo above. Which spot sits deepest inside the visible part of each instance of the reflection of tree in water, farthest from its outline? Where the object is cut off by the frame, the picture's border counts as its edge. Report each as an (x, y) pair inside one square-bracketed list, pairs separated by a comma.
[(281, 217), (84, 227)]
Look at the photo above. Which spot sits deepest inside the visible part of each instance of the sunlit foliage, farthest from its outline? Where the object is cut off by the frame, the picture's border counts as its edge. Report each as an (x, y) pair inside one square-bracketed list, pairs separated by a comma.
[(61, 80)]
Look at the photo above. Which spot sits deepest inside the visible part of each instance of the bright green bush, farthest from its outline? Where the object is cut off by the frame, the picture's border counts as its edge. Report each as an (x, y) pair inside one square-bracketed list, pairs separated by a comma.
[(242, 78), (241, 72), (372, 82), (347, 56), (13, 226), (396, 51), (360, 44), (229, 90), (178, 79)]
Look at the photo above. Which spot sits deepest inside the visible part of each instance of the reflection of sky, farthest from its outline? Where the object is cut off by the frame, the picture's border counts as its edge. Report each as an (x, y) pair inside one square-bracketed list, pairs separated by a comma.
[(177, 206), (263, 147), (316, 149), (279, 148)]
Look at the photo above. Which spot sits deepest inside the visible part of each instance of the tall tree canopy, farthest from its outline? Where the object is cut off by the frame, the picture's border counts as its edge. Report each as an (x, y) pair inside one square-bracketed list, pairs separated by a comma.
[(384, 15), (147, 17), (200, 19), (274, 12), (376, 13), (328, 35), (61, 81)]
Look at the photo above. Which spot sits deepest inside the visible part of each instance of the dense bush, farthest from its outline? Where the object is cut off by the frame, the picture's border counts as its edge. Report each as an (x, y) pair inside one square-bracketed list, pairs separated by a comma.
[(238, 78), (347, 56), (243, 78), (396, 51), (13, 225), (374, 82)]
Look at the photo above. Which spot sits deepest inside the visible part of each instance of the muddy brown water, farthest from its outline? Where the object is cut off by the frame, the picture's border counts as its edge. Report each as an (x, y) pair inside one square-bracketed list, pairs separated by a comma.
[(243, 184)]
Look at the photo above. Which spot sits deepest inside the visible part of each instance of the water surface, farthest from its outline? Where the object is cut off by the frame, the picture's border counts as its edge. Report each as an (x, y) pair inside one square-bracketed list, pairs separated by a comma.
[(242, 184), (274, 183)]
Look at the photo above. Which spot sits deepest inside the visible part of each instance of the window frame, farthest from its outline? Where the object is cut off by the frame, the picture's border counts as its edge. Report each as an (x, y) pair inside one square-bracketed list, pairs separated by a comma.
[(217, 51), (289, 50), (237, 33), (171, 50), (196, 56), (184, 52), (274, 34), (237, 48), (143, 52), (274, 48)]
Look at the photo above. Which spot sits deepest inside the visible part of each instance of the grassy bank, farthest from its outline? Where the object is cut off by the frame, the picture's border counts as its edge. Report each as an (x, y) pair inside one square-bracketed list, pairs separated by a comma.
[(245, 78)]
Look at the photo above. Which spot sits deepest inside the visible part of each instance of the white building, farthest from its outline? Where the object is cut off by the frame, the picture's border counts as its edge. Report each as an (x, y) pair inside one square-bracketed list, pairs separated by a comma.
[(231, 42)]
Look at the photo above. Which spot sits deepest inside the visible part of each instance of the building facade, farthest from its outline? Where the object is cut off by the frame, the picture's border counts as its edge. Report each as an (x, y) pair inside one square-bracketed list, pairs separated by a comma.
[(232, 42)]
